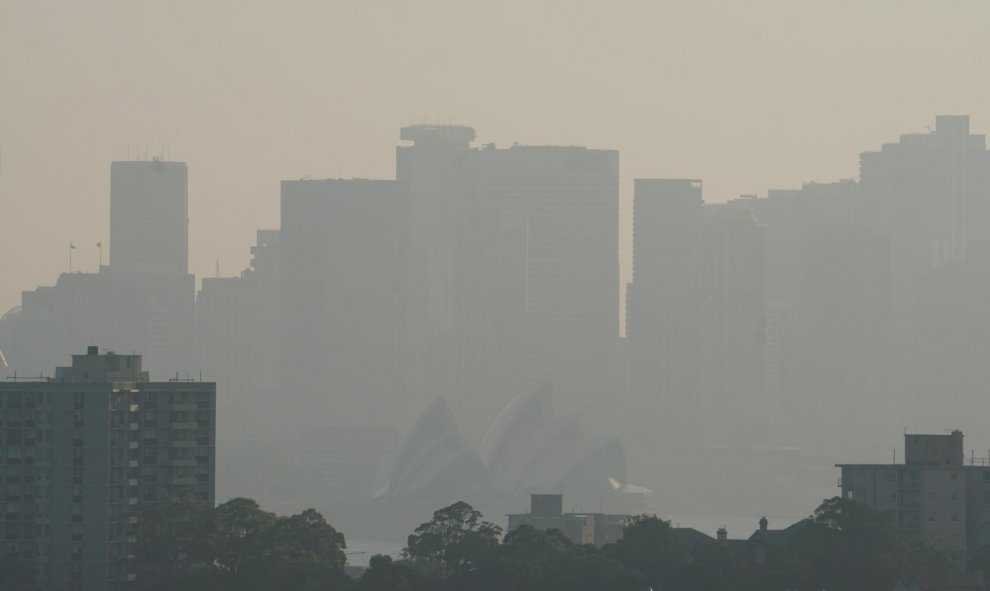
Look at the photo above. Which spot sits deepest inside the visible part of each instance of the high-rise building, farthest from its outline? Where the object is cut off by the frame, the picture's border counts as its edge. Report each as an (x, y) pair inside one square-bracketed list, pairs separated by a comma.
[(84, 453), (129, 311), (567, 200), (149, 220), (733, 279), (143, 301), (828, 313), (434, 180), (237, 345), (340, 291), (473, 272), (237, 340), (929, 193), (663, 312), (502, 248)]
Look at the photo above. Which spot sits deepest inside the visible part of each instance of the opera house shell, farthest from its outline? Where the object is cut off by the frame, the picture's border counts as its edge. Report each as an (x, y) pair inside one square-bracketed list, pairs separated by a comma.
[(526, 450)]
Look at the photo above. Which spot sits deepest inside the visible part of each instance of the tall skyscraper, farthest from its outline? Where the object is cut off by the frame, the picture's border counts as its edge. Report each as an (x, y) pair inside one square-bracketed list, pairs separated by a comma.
[(87, 451), (473, 272), (339, 296), (828, 313), (734, 324), (142, 301), (567, 198), (434, 177), (502, 248), (930, 192), (149, 225), (237, 340), (664, 314)]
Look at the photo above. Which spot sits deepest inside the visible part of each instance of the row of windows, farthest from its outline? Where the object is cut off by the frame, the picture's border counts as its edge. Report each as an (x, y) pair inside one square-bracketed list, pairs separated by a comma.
[(30, 400), (892, 475)]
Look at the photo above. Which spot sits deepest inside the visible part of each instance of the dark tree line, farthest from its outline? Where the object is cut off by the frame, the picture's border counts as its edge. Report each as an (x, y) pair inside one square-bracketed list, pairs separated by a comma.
[(844, 546), (237, 546)]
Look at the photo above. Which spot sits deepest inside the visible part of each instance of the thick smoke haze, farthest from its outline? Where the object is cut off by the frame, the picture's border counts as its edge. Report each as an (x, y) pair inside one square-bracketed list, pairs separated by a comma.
[(745, 95), (692, 259)]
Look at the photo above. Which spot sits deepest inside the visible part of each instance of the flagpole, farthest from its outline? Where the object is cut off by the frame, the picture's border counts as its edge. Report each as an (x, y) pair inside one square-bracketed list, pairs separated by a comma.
[(71, 247), (100, 246)]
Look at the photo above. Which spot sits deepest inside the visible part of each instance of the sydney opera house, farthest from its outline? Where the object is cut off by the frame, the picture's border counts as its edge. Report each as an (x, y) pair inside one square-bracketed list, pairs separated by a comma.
[(527, 449)]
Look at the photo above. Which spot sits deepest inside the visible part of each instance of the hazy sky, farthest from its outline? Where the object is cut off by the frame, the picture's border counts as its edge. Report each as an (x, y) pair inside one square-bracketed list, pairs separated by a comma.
[(745, 95)]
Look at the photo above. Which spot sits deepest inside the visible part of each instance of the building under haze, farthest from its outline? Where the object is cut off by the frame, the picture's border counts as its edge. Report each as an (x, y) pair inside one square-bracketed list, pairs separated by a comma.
[(85, 452), (142, 301), (547, 512), (664, 313), (237, 346), (934, 495), (133, 311), (509, 273), (149, 219), (237, 340), (339, 333), (474, 271)]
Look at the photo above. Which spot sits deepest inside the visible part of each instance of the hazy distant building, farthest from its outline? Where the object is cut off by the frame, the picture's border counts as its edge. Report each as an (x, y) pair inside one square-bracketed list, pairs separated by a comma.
[(85, 452), (934, 494), (473, 272), (664, 312), (435, 197), (237, 340), (733, 280), (503, 248), (547, 512), (828, 312), (130, 311), (569, 199), (149, 220), (930, 192), (339, 298), (340, 293), (142, 301), (951, 336), (696, 328)]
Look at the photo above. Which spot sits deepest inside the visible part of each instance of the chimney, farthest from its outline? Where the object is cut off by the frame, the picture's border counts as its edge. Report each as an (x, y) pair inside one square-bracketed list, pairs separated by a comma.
[(92, 350), (764, 523), (722, 534)]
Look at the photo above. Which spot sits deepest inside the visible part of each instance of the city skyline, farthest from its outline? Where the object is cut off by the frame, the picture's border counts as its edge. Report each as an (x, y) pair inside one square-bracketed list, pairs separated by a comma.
[(721, 96), (282, 280), (484, 269)]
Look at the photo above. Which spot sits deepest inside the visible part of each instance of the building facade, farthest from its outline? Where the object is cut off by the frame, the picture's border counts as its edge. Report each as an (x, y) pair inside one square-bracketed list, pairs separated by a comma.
[(934, 495), (149, 217), (85, 452), (547, 512)]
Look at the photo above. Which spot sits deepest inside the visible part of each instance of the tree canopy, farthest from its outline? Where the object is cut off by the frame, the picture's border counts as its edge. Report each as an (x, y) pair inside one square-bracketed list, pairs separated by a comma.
[(457, 538), (843, 546), (238, 546)]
